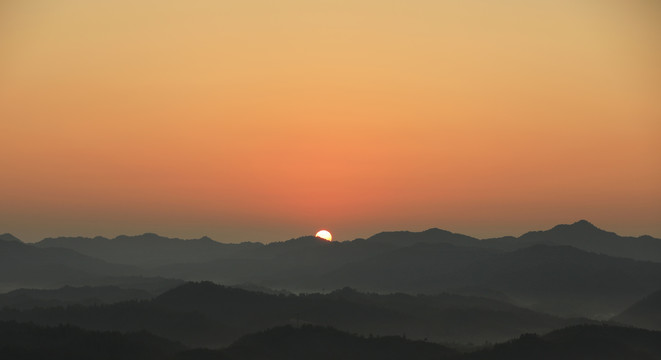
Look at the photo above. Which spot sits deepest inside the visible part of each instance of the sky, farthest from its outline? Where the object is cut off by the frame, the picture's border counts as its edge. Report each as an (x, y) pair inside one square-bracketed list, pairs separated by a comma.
[(260, 120)]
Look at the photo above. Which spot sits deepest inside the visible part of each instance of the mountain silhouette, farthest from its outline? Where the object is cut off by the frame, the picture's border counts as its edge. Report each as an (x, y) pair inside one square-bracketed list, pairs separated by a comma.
[(645, 313), (206, 314), (578, 343), (149, 250), (563, 270), (556, 279), (69, 295), (9, 237), (431, 236), (422, 267), (27, 265), (585, 236), (391, 284), (31, 342), (315, 342)]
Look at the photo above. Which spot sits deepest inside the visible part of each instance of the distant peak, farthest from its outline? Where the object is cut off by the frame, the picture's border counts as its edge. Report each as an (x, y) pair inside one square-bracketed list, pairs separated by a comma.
[(434, 231), (581, 225), (584, 224), (9, 237)]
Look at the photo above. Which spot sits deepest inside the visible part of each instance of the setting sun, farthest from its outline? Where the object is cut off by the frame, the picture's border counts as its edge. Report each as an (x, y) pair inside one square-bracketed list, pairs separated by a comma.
[(324, 234)]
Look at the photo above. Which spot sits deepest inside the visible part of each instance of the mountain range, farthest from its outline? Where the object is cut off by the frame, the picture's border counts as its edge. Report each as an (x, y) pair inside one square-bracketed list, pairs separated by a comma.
[(31, 342), (645, 313), (206, 314), (153, 250), (569, 270)]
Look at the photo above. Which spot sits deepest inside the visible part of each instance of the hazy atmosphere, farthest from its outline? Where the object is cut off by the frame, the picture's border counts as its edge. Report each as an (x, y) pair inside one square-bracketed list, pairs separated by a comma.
[(330, 179), (263, 121)]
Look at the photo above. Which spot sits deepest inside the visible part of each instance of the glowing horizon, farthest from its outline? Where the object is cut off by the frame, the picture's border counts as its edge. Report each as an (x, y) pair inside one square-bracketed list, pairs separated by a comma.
[(215, 118)]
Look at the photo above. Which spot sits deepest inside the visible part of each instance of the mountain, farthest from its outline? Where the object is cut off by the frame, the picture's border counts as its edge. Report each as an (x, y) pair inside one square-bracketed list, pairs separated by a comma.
[(149, 250), (535, 270), (440, 317), (200, 259), (68, 295), (9, 237), (315, 342), (581, 234), (27, 265), (422, 267), (645, 313), (295, 264), (205, 314), (585, 236), (153, 285), (180, 325), (572, 343), (566, 281), (430, 236), (31, 342), (556, 279), (578, 343)]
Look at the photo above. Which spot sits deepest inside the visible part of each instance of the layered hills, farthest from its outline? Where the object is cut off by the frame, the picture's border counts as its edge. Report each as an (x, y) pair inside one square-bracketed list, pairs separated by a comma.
[(569, 270), (30, 342), (206, 314)]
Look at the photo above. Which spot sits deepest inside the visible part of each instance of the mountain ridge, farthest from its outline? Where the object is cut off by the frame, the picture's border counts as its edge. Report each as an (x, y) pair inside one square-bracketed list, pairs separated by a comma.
[(9, 237), (581, 234)]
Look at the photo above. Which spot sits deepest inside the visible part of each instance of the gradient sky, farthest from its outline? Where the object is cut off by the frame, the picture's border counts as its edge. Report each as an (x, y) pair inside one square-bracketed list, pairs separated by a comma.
[(265, 120)]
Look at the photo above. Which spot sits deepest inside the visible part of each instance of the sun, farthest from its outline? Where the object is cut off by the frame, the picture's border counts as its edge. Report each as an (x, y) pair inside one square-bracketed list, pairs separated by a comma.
[(325, 234)]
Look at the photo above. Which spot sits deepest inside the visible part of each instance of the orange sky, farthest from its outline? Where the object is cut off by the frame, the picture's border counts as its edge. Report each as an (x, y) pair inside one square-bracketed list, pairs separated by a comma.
[(265, 120)]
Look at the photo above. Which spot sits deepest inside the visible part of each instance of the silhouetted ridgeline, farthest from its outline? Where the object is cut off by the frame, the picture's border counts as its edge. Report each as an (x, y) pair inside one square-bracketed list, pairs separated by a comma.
[(69, 295), (9, 237), (154, 250), (579, 343), (23, 265), (645, 313), (535, 271), (314, 342), (205, 314), (29, 342), (585, 236), (149, 249)]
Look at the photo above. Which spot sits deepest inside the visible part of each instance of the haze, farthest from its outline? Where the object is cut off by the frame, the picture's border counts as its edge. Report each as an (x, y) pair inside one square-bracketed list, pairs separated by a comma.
[(262, 120)]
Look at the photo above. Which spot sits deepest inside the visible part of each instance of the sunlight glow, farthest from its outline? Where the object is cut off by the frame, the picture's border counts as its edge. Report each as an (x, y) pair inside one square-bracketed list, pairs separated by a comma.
[(325, 234)]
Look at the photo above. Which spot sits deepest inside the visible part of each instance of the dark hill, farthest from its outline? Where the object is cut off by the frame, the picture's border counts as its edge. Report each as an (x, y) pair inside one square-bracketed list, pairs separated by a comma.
[(182, 325), (213, 315), (295, 264), (645, 313), (27, 265), (314, 342), (422, 267), (441, 317), (557, 279), (69, 295), (30, 342), (579, 343), (430, 236), (573, 343), (585, 236), (9, 237), (565, 280), (149, 249)]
